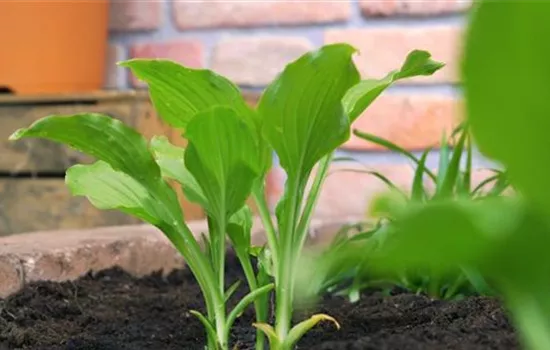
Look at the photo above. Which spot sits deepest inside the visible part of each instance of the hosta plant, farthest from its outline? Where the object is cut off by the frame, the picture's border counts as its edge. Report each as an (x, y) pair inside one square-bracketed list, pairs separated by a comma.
[(303, 116), (452, 180)]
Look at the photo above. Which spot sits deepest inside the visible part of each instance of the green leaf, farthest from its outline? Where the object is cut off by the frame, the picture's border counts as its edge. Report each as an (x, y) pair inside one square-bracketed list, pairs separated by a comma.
[(107, 188), (452, 171), (170, 159), (179, 93), (376, 174), (466, 183), (443, 164), (210, 331), (274, 342), (247, 300), (361, 96), (101, 136), (418, 63), (303, 115), (506, 73), (239, 231), (298, 331), (418, 193), (392, 147), (231, 290), (221, 156)]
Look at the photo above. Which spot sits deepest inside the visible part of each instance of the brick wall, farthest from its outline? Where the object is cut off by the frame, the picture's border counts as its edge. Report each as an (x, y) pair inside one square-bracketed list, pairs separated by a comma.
[(251, 41)]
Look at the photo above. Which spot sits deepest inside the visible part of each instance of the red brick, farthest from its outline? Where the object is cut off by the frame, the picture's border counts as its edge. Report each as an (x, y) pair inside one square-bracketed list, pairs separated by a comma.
[(206, 14), (413, 122), (115, 53), (186, 52), (348, 194), (384, 49), (134, 15), (383, 8), (256, 61)]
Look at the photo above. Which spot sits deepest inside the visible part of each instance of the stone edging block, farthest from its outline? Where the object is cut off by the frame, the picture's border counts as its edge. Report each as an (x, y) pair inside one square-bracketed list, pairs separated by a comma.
[(139, 249)]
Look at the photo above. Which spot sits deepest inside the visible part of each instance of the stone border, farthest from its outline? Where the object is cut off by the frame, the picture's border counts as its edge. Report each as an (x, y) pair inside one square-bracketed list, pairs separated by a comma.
[(139, 249)]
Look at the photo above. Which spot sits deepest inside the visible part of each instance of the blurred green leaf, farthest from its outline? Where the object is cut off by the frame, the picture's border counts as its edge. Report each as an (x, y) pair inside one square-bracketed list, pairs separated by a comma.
[(506, 74), (418, 193), (452, 170)]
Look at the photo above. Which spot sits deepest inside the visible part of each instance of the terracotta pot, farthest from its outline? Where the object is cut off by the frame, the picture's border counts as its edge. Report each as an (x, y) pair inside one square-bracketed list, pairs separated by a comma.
[(52, 46)]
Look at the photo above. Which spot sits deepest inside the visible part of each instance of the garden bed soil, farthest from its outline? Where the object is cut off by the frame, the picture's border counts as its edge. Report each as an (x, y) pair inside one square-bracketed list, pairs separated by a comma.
[(111, 310)]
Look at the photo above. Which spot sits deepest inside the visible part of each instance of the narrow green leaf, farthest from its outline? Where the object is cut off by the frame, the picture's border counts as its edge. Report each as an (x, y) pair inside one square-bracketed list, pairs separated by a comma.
[(210, 331), (453, 170), (467, 175), (303, 115), (221, 156), (418, 192), (299, 330), (392, 147), (485, 182), (231, 290), (170, 159), (376, 174), (361, 96), (179, 93), (443, 164), (247, 300)]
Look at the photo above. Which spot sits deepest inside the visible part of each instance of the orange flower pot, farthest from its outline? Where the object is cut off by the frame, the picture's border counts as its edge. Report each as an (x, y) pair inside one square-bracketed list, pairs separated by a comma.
[(53, 46)]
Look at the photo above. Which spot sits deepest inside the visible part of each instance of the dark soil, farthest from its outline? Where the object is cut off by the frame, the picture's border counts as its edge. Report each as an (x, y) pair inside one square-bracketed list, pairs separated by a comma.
[(111, 310)]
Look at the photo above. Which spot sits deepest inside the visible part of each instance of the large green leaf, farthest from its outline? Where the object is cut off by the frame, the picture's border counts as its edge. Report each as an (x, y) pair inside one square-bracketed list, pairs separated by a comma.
[(302, 110), (222, 158), (101, 136), (506, 74), (170, 159), (179, 93), (107, 188), (360, 96)]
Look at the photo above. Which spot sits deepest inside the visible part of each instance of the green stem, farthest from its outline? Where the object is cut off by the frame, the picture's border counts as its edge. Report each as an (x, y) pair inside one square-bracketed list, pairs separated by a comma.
[(312, 199), (186, 244), (259, 306), (284, 280), (258, 192), (220, 265)]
